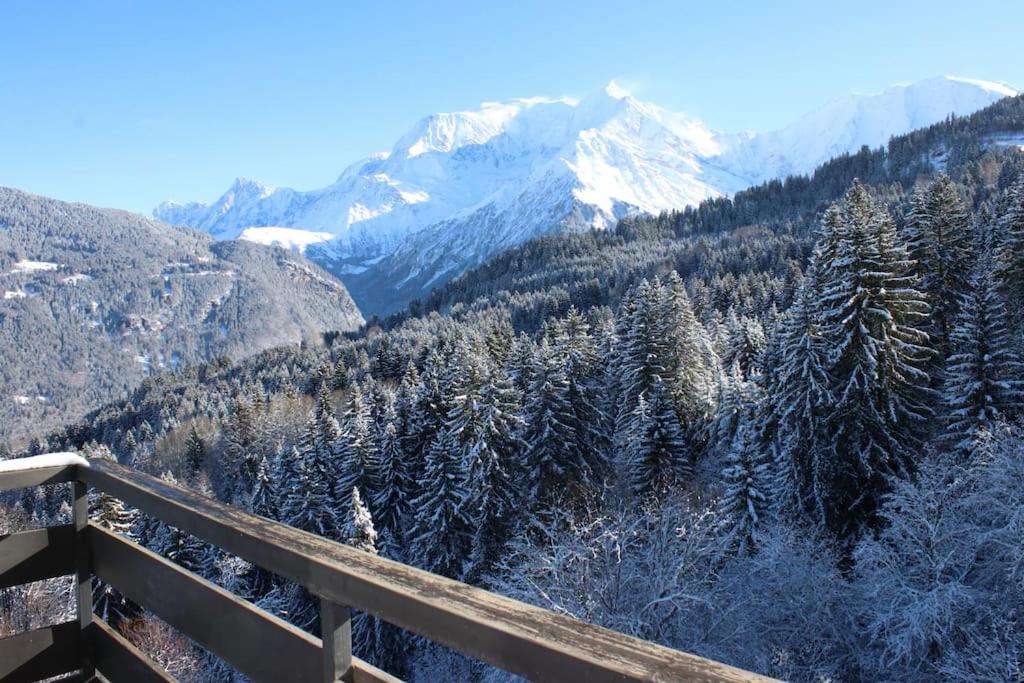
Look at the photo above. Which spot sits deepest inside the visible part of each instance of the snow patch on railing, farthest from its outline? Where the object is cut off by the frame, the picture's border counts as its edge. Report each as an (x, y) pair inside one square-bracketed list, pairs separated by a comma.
[(35, 462)]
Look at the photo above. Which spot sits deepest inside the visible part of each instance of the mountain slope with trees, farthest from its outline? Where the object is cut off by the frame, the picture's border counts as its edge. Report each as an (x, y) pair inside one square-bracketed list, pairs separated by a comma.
[(95, 300)]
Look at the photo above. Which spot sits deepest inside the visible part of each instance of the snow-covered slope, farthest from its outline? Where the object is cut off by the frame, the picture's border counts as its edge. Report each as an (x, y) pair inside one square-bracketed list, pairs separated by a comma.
[(848, 123), (460, 186), (293, 239)]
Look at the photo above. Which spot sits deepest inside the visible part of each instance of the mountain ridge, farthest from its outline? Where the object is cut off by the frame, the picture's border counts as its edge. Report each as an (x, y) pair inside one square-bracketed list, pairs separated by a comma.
[(459, 186)]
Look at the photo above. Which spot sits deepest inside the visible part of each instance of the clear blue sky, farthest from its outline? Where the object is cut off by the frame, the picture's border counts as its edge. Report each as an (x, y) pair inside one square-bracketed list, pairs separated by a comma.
[(128, 103)]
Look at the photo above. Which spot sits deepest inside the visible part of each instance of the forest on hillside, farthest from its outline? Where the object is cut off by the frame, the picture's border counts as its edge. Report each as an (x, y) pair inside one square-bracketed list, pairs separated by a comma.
[(778, 431)]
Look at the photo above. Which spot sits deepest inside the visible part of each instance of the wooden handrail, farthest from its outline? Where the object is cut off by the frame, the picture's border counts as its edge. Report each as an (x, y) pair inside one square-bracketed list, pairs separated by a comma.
[(520, 638)]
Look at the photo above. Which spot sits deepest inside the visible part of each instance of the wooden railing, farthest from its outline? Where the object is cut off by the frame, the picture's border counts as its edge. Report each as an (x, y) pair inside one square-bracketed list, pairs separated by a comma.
[(519, 638)]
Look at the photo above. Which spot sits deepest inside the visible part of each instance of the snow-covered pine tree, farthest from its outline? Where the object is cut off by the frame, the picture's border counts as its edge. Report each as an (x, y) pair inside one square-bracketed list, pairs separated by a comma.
[(984, 373), (1010, 254), (873, 314), (520, 362), (405, 403), (499, 341), (661, 342), (323, 409), (641, 355), (323, 442), (130, 447), (285, 473), (380, 401), (357, 530), (744, 502), (356, 452), (427, 412), (341, 378), (373, 640), (388, 361), (591, 424), (240, 451), (307, 501), (490, 425), (442, 531), (657, 453), (548, 436), (195, 451), (265, 500), (393, 490), (744, 343), (641, 351), (938, 236), (689, 377), (802, 397), (111, 514)]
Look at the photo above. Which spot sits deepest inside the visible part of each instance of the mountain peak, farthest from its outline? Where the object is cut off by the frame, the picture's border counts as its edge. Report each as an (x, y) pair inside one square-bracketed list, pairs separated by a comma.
[(615, 91), (250, 187)]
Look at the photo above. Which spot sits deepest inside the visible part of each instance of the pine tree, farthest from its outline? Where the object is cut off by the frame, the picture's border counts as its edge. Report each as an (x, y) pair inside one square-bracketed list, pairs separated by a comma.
[(323, 442), (130, 447), (265, 501), (358, 531), (939, 242), (1010, 252), (323, 410), (393, 490), (499, 341), (645, 354), (341, 379), (803, 396), (442, 531), (590, 423), (285, 471), (661, 343), (356, 451), (744, 344), (873, 313), (307, 503), (111, 514), (520, 363), (373, 640), (984, 373), (689, 373), (744, 501), (195, 451), (405, 423), (242, 440), (549, 436), (488, 426), (427, 413), (734, 395), (657, 454)]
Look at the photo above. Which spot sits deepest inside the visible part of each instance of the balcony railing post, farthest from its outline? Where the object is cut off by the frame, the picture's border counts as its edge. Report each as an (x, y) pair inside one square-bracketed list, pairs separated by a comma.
[(83, 574), (336, 629)]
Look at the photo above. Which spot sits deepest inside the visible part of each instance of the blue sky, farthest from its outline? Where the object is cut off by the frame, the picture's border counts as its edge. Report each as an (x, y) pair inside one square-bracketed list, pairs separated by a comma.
[(125, 104)]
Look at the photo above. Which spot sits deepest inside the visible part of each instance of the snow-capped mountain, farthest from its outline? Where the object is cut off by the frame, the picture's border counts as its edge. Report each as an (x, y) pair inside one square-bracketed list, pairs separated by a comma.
[(461, 186)]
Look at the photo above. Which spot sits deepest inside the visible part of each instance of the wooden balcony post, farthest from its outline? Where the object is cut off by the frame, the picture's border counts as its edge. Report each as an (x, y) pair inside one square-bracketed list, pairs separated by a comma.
[(83, 575), (336, 628)]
